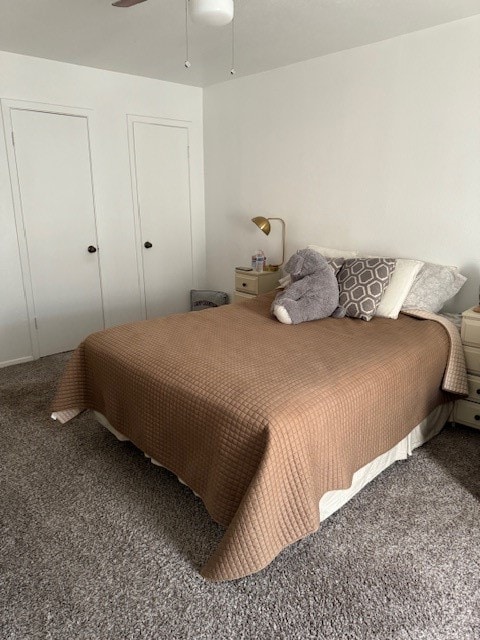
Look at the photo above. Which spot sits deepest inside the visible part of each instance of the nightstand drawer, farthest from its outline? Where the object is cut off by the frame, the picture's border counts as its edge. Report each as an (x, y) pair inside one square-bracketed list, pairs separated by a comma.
[(473, 388), (467, 412), (472, 359), (253, 283), (246, 283), (239, 296), (471, 331)]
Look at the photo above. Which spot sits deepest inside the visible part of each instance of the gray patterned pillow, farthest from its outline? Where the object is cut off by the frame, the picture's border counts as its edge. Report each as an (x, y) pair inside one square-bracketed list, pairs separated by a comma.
[(434, 285), (336, 264), (362, 282)]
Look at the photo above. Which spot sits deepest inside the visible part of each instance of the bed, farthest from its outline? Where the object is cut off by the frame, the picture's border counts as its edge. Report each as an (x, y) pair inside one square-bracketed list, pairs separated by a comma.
[(263, 420)]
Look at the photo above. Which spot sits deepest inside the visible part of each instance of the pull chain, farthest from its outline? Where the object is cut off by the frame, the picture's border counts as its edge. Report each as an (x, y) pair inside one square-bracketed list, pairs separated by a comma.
[(232, 70), (187, 61)]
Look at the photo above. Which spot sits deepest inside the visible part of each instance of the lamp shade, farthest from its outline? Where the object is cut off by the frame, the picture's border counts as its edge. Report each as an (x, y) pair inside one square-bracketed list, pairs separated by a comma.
[(263, 224), (215, 13)]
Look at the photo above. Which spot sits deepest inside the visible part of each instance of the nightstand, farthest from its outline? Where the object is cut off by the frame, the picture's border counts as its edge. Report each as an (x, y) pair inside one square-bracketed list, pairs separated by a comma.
[(468, 411), (248, 284)]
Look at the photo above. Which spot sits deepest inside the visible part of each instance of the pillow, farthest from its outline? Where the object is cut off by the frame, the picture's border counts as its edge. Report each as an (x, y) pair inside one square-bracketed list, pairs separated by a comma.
[(336, 264), (327, 252), (434, 285), (400, 284), (362, 282)]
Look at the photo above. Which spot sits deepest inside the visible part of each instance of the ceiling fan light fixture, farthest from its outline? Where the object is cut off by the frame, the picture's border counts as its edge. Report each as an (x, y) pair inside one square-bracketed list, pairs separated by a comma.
[(215, 13)]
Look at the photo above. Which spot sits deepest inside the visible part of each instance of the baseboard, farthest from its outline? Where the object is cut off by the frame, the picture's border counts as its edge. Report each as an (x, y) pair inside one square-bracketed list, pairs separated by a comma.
[(9, 363)]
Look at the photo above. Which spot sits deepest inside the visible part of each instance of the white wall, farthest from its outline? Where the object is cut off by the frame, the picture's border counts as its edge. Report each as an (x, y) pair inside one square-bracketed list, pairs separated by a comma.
[(375, 148), (110, 96)]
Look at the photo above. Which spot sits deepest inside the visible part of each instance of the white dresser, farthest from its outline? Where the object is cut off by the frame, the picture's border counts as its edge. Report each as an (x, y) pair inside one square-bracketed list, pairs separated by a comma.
[(468, 411)]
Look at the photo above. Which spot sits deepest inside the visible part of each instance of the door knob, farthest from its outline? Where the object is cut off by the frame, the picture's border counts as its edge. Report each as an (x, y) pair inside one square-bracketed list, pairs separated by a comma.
[(148, 245), (92, 249)]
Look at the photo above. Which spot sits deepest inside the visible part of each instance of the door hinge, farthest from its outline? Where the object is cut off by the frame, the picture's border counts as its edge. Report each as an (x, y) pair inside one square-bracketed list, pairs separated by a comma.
[(36, 325), (13, 138)]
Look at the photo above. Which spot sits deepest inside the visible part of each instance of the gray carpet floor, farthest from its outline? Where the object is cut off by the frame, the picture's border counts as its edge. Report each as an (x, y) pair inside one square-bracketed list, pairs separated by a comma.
[(97, 543)]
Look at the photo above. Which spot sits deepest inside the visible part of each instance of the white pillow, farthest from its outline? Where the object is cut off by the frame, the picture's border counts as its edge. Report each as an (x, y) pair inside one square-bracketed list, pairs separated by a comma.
[(327, 252), (434, 285), (397, 291)]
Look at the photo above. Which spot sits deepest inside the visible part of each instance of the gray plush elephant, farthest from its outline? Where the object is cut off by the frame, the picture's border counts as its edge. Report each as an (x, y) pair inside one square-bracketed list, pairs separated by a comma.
[(313, 292)]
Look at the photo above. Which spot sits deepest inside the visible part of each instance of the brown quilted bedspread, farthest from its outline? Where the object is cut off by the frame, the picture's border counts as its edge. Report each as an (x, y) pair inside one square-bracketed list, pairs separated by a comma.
[(259, 418)]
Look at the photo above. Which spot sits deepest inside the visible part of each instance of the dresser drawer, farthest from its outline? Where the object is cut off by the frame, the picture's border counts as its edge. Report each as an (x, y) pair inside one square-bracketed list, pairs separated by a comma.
[(246, 283), (472, 359), (473, 388), (471, 330), (467, 412)]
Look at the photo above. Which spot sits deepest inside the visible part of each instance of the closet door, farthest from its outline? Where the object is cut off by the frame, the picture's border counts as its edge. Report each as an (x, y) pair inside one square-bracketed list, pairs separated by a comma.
[(55, 195), (162, 183)]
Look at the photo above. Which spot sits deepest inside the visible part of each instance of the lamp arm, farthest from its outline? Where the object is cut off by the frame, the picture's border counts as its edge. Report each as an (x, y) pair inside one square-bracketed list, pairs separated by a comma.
[(283, 240)]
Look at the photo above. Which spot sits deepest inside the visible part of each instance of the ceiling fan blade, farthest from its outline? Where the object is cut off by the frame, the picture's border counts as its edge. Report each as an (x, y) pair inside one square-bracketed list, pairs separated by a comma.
[(126, 3)]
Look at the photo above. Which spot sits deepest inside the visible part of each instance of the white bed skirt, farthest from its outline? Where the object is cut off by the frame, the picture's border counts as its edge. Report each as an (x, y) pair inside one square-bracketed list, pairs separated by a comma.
[(427, 429), (333, 500)]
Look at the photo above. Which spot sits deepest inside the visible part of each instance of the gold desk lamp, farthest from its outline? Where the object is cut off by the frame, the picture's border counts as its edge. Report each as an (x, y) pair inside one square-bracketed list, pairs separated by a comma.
[(264, 225)]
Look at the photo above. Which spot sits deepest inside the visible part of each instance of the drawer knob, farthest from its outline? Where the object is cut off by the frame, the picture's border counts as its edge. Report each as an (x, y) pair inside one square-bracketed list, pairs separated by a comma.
[(478, 391), (244, 284), (477, 417)]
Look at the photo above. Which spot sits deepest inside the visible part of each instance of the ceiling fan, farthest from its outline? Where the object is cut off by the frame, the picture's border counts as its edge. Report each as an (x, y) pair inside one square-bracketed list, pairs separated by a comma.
[(216, 13), (126, 3)]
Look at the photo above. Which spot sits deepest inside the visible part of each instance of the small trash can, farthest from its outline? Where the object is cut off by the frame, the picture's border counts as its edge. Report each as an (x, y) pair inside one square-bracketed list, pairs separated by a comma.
[(206, 299)]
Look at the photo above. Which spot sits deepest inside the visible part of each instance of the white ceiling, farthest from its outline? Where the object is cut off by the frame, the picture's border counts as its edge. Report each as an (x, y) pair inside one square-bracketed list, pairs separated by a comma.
[(149, 39)]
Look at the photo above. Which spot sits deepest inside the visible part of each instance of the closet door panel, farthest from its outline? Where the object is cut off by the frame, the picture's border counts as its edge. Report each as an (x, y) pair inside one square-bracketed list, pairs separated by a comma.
[(163, 198), (53, 165)]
